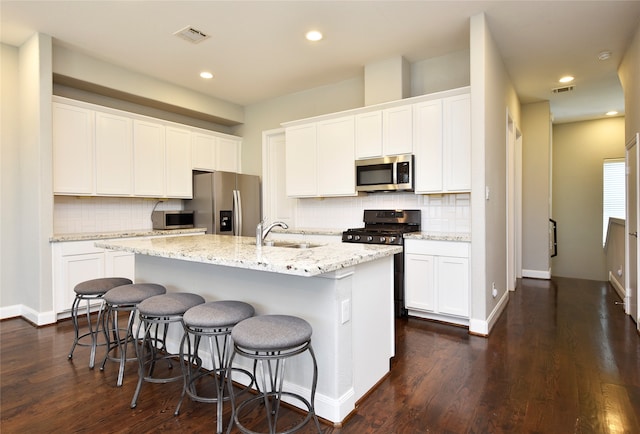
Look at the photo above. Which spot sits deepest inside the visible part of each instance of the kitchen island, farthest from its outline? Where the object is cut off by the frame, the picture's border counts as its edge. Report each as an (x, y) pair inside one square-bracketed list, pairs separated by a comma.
[(344, 290)]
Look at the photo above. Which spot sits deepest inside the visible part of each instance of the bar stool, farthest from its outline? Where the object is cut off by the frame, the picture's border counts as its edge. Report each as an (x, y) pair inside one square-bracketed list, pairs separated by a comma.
[(91, 290), (273, 339), (214, 321), (123, 299), (161, 310)]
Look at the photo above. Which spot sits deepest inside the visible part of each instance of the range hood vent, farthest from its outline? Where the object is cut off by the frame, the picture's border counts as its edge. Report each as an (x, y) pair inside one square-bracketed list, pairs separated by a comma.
[(191, 34)]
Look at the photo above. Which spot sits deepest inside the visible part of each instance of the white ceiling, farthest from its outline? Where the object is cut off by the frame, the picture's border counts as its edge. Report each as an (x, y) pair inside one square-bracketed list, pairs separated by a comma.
[(257, 49)]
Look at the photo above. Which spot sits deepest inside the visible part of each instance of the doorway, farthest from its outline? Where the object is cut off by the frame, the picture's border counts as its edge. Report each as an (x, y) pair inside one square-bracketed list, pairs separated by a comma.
[(514, 203)]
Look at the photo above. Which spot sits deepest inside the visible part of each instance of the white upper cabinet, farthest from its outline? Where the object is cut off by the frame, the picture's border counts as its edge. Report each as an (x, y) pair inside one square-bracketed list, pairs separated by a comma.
[(301, 161), (397, 130), (148, 159), (73, 150), (114, 155), (457, 143), (178, 159), (384, 132), (99, 151), (442, 145), (203, 151), (336, 150), (369, 134), (216, 152), (428, 146), (228, 154), (320, 158)]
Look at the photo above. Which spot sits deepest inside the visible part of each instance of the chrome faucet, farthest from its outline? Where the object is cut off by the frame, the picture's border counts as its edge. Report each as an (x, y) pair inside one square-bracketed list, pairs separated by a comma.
[(262, 232)]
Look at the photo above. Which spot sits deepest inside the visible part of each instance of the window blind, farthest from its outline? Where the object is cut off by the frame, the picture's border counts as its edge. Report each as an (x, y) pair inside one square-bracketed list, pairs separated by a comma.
[(613, 197)]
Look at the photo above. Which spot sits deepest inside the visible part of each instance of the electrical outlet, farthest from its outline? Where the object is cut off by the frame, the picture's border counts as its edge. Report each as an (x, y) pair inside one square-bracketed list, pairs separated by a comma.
[(346, 311), (494, 290)]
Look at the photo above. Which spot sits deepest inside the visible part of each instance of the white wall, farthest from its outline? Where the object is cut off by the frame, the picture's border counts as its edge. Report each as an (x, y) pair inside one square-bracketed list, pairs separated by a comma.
[(10, 219), (492, 94), (629, 73), (78, 66), (35, 187)]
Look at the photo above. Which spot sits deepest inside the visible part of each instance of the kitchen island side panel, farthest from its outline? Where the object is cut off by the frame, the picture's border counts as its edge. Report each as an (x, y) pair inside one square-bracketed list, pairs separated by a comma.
[(319, 300)]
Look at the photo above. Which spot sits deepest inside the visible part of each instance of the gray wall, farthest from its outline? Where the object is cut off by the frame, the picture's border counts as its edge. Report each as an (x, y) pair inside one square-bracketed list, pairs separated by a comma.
[(579, 149), (536, 190)]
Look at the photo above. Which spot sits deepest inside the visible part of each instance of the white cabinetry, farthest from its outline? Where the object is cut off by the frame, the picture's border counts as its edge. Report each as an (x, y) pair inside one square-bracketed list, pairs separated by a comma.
[(437, 280), (301, 161), (148, 159), (178, 159), (114, 154), (442, 145), (320, 158), (384, 132), (369, 134), (73, 150), (77, 261), (99, 151), (336, 169), (215, 152)]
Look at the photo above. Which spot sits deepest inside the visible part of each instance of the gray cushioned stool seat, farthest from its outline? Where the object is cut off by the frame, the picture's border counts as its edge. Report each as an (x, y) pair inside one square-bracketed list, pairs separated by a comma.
[(100, 286), (133, 294), (218, 314), (169, 304), (91, 291), (271, 332)]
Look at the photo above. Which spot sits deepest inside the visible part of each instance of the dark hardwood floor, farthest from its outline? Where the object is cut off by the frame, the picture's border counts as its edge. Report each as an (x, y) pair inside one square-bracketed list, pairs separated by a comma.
[(563, 358)]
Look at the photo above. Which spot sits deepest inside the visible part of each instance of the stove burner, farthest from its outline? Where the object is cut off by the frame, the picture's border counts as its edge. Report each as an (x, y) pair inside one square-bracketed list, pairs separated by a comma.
[(384, 227)]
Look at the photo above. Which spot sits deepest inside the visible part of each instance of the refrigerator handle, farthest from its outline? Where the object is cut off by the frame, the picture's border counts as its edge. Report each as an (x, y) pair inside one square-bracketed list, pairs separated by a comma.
[(237, 213)]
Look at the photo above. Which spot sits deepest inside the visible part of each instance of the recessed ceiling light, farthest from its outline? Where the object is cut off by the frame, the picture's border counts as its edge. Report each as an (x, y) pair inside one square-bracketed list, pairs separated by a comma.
[(604, 55), (206, 74), (566, 79), (611, 113), (313, 35)]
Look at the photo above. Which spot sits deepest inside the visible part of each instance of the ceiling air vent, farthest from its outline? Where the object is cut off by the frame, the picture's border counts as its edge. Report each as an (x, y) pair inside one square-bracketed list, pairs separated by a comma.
[(192, 35), (563, 89)]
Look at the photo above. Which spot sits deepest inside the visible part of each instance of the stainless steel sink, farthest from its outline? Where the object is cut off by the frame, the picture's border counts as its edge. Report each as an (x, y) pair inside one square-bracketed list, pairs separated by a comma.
[(290, 244)]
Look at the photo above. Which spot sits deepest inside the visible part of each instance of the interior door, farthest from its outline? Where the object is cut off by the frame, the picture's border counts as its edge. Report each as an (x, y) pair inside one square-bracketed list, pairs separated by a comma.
[(631, 302)]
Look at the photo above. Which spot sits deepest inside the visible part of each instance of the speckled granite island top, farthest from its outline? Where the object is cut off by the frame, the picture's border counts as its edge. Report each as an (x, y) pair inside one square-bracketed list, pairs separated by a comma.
[(88, 236), (241, 252)]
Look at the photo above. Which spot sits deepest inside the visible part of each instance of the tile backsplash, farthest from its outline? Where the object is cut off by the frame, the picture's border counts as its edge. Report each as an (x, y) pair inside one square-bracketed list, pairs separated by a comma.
[(105, 214), (440, 213)]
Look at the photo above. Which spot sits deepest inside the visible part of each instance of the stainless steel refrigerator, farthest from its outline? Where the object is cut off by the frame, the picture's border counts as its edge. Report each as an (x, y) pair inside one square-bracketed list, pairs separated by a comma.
[(226, 203)]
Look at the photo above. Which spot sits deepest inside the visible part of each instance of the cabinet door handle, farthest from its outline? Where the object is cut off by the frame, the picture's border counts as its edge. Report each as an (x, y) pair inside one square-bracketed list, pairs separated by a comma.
[(633, 234)]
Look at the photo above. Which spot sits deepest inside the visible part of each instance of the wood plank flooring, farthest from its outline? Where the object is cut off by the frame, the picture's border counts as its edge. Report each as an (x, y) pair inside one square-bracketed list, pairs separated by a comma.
[(563, 358)]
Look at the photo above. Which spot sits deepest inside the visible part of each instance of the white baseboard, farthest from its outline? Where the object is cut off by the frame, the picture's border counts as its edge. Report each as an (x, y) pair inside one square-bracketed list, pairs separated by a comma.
[(483, 327), (10, 311), (617, 286), (31, 315), (537, 274)]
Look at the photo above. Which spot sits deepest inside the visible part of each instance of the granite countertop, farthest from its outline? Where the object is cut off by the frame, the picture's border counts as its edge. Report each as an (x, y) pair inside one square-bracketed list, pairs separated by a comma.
[(438, 236), (241, 252), (308, 231), (87, 236)]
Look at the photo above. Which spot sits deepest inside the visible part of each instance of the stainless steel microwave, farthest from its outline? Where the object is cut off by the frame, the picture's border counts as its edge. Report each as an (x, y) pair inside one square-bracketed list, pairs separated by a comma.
[(172, 219), (394, 173)]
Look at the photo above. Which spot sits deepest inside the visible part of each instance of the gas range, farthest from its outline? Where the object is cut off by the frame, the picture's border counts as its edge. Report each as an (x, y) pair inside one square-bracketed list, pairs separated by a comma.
[(384, 227), (387, 226)]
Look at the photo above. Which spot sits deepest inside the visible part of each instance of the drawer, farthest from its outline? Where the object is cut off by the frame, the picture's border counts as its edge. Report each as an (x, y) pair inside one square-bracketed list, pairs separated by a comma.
[(457, 249)]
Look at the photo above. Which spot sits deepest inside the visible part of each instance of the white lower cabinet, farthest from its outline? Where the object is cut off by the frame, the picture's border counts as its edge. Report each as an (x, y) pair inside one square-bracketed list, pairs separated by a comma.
[(437, 281), (77, 261)]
